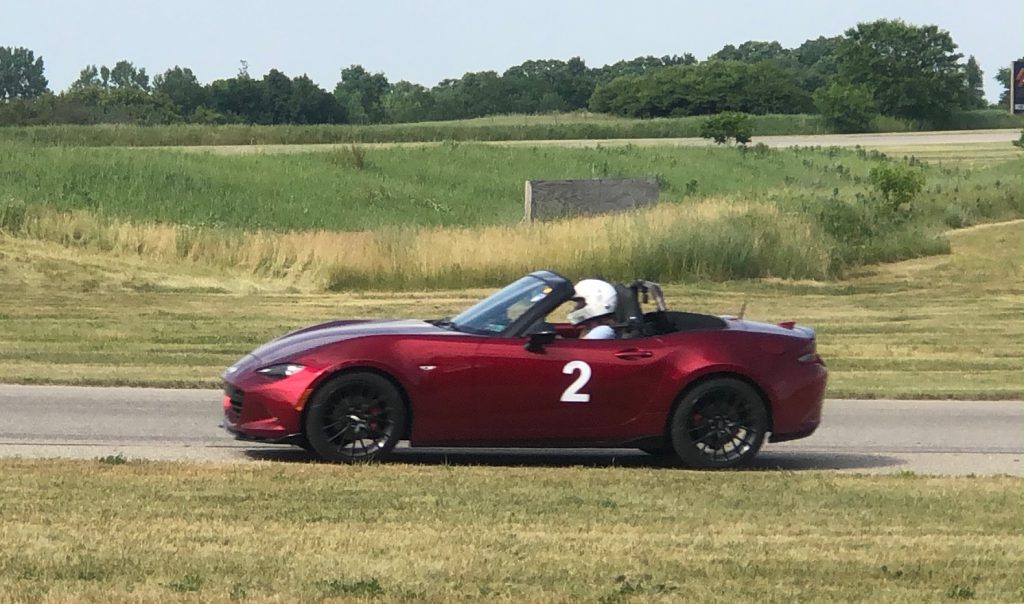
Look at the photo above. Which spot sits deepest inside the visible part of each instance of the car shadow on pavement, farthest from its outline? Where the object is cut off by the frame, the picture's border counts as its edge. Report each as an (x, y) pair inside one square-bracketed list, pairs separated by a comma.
[(591, 458), (823, 460)]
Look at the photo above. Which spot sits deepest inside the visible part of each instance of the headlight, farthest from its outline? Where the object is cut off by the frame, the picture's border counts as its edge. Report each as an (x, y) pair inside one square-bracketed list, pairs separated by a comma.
[(281, 371)]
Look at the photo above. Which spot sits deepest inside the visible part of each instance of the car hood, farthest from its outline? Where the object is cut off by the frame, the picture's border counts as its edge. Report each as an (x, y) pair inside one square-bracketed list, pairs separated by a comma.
[(328, 333)]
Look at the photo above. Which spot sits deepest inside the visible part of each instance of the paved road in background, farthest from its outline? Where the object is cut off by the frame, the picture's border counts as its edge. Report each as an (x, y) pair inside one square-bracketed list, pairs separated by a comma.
[(871, 141), (885, 139), (933, 437)]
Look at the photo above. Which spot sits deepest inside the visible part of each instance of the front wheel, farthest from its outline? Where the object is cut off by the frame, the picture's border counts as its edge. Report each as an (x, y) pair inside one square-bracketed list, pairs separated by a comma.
[(719, 424), (355, 417)]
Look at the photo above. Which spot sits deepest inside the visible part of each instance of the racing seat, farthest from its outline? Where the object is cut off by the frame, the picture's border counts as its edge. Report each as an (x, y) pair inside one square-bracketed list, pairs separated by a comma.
[(629, 317)]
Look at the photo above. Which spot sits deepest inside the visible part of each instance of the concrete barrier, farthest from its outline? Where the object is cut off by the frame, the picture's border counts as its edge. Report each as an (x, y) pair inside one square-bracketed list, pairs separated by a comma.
[(550, 199)]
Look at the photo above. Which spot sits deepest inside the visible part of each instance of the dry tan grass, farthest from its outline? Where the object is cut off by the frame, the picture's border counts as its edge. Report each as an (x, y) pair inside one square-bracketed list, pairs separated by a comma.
[(109, 531), (564, 242), (307, 259)]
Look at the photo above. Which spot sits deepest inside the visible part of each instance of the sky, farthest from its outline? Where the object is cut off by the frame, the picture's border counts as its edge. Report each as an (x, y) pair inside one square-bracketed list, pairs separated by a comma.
[(427, 41)]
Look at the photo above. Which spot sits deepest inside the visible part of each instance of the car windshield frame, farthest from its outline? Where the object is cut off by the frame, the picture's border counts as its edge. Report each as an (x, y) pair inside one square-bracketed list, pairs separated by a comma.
[(491, 317)]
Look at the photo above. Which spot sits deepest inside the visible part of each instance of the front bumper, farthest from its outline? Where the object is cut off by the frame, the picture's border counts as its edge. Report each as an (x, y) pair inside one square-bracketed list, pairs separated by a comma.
[(263, 431), (262, 409)]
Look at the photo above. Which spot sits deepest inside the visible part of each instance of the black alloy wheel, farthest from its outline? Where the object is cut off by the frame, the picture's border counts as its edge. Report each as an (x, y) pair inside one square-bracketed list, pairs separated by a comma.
[(719, 424), (355, 417)]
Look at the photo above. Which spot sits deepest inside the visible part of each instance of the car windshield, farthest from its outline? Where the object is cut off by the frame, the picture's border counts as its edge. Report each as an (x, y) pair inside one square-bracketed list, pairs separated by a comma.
[(494, 314)]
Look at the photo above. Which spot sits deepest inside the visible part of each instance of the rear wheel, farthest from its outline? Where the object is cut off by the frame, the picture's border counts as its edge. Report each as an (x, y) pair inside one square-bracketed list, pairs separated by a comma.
[(719, 424), (355, 417)]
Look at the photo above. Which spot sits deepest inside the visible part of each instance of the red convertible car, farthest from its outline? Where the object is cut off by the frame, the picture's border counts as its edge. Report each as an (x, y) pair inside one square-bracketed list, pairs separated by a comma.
[(508, 372)]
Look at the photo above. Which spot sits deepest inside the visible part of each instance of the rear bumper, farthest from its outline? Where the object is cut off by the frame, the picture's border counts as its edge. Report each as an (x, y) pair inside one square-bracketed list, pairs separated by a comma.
[(809, 430), (798, 415)]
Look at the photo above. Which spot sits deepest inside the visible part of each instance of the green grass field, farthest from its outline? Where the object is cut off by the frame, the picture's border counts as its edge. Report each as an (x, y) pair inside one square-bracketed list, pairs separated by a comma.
[(109, 531), (447, 185), (413, 217)]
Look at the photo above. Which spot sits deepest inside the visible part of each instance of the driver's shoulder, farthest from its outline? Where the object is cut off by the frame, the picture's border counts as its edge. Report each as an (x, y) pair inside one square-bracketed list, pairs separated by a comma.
[(601, 332)]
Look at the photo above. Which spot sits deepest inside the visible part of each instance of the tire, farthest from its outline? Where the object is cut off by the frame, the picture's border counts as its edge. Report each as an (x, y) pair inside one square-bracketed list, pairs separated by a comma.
[(355, 417), (719, 424), (303, 443)]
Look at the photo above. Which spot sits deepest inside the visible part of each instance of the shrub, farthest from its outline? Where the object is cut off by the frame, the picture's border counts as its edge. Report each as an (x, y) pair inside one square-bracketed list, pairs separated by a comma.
[(846, 107), (848, 223), (726, 125), (12, 216), (898, 185)]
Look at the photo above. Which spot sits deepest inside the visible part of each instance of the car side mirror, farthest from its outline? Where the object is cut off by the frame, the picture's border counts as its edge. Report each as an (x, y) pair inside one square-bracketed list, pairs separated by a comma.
[(537, 341)]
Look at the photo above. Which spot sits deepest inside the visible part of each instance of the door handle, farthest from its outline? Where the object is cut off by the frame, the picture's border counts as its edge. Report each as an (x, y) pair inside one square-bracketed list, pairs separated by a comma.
[(633, 354)]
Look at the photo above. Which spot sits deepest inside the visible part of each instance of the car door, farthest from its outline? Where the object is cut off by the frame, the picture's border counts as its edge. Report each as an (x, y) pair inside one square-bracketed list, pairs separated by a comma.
[(439, 376), (571, 391)]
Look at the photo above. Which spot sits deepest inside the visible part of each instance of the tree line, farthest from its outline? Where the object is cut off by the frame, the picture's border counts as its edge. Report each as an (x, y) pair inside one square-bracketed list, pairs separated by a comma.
[(879, 68)]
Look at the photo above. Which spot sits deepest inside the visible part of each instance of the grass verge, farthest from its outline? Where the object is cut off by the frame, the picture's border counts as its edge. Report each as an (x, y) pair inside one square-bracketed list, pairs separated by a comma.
[(940, 327), (452, 185), (120, 532), (496, 128), (449, 216)]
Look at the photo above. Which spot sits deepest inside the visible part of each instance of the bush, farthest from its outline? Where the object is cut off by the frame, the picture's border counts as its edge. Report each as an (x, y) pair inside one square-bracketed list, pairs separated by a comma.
[(849, 224), (846, 107), (726, 125), (12, 216), (898, 185), (984, 119)]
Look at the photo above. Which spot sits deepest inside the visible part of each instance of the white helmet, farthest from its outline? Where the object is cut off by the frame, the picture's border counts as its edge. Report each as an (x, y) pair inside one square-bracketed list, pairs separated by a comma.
[(594, 298)]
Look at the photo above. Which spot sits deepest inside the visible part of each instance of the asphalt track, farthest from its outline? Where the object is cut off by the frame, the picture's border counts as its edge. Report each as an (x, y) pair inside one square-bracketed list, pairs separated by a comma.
[(873, 436)]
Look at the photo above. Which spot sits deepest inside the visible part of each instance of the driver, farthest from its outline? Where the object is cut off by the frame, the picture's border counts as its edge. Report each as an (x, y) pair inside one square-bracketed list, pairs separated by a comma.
[(595, 309)]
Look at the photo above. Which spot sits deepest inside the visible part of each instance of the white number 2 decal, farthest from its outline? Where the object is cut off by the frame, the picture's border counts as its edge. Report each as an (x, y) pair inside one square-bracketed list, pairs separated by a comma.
[(572, 393)]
